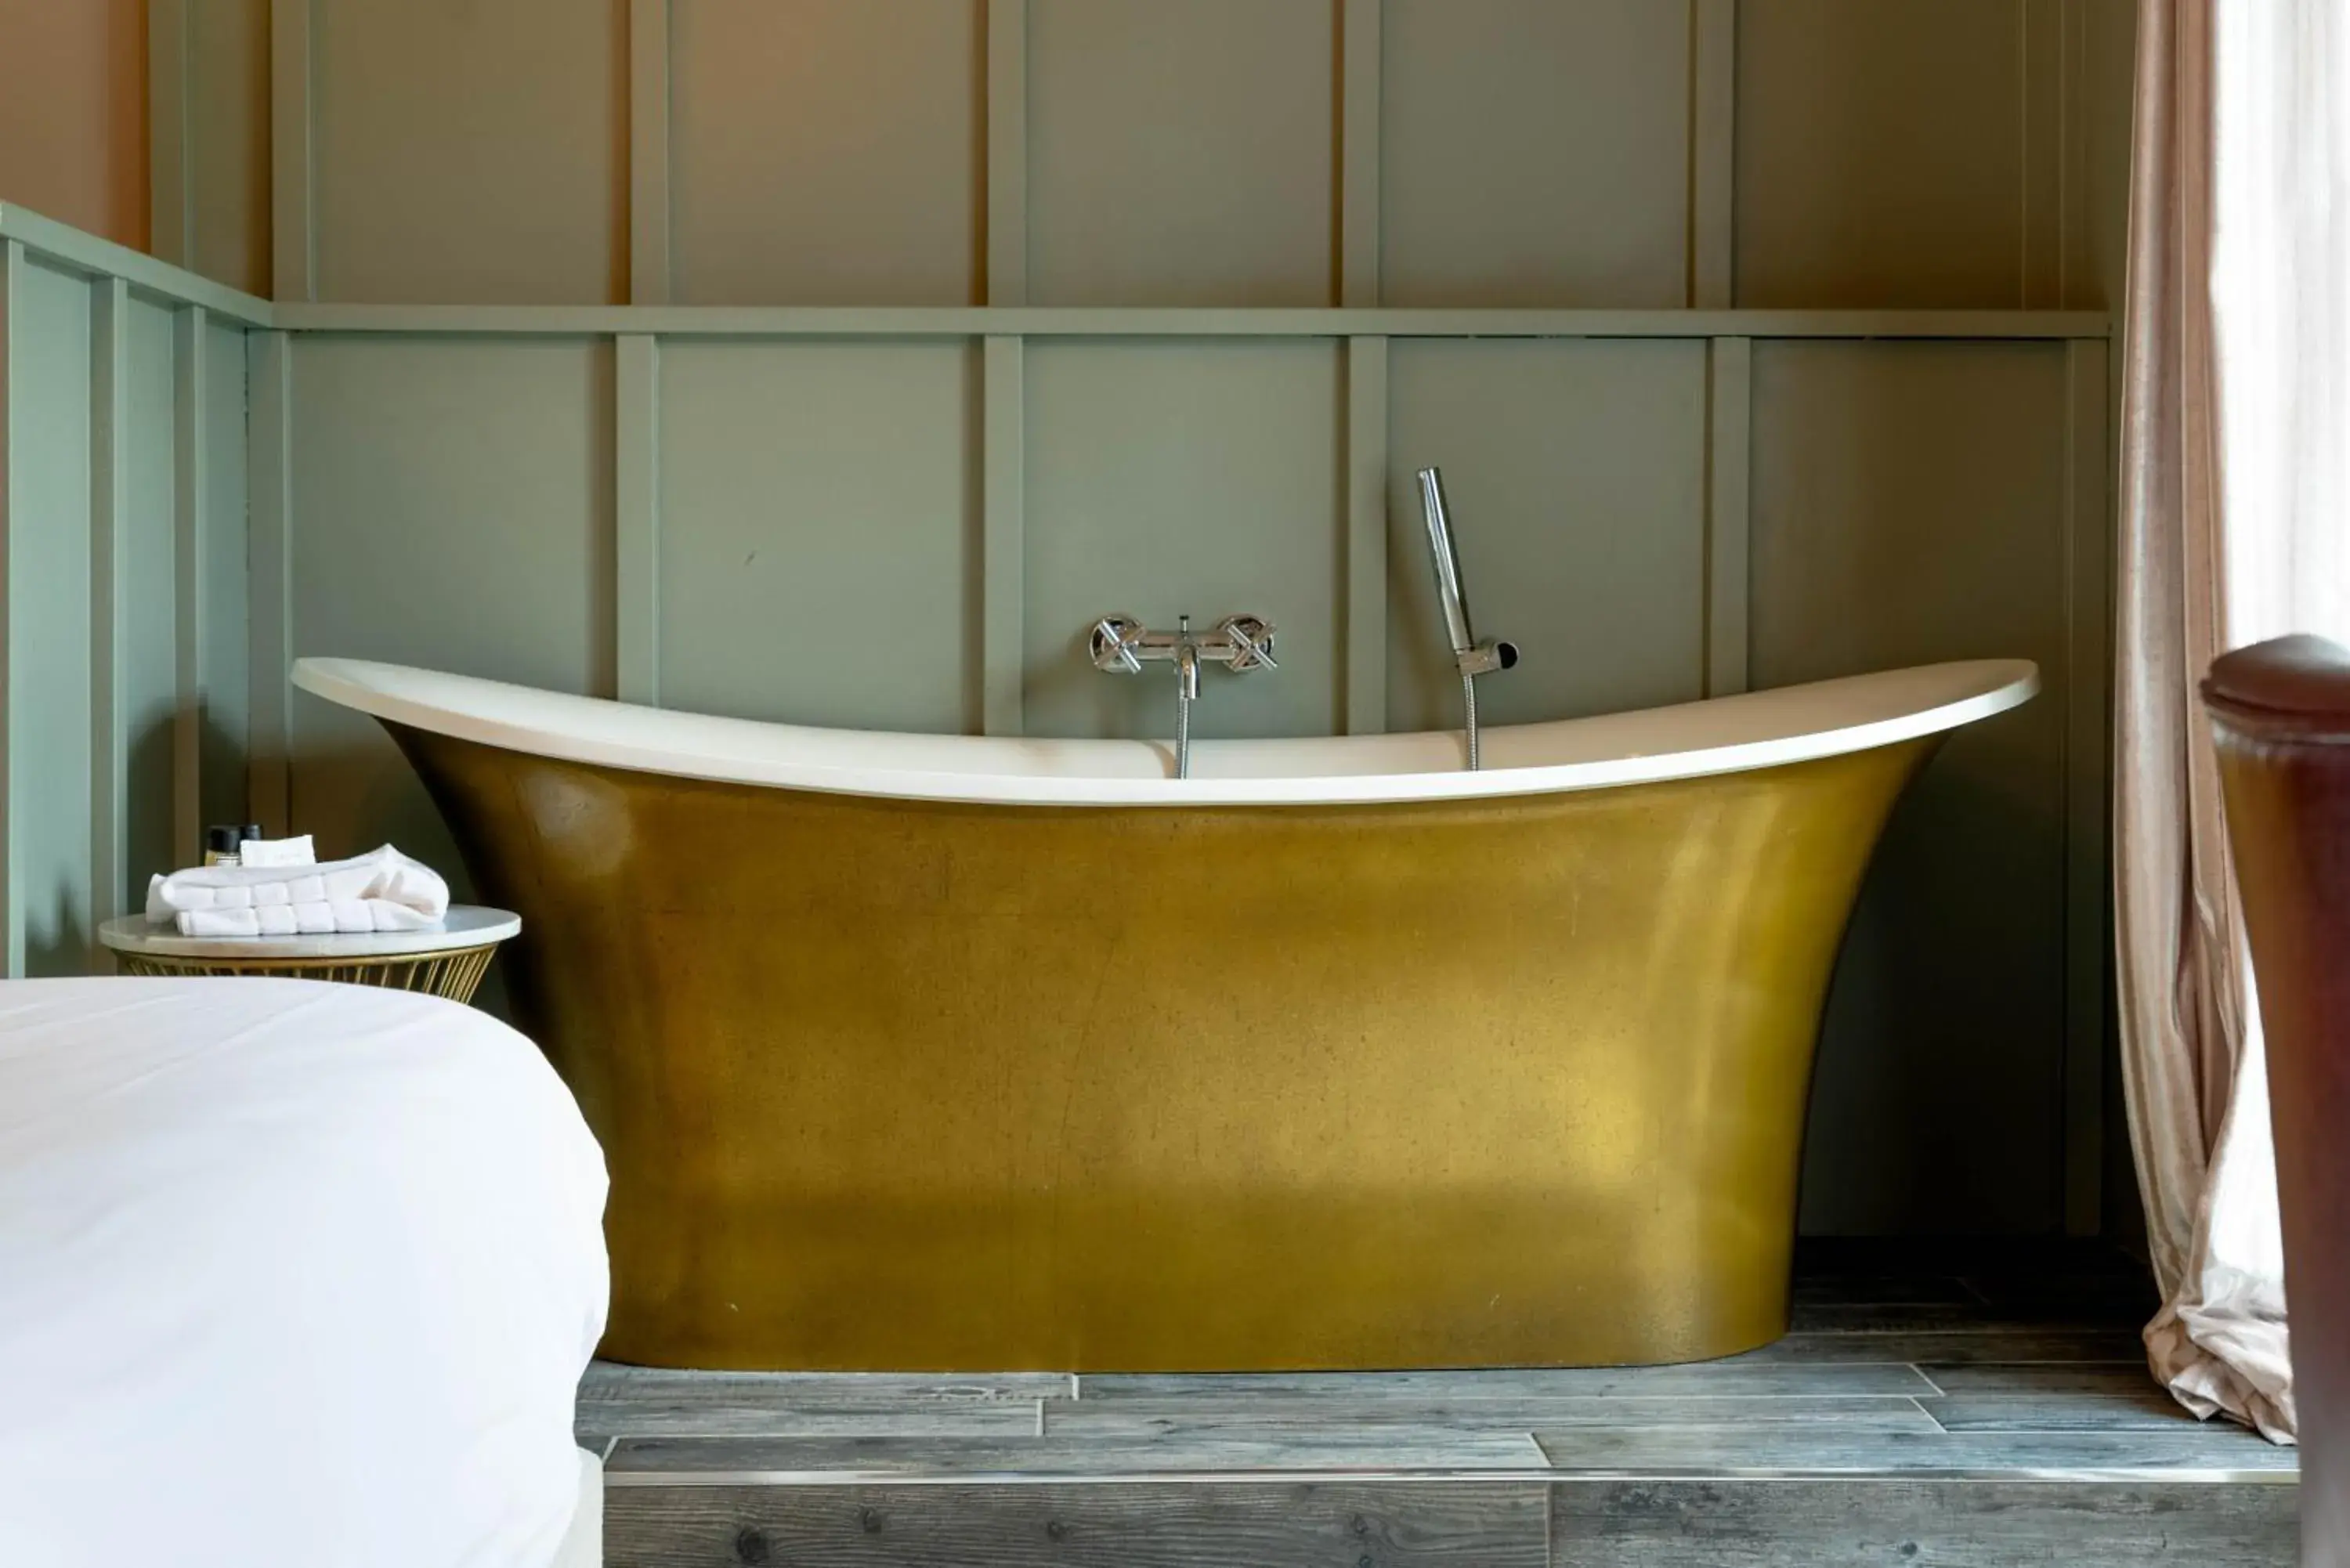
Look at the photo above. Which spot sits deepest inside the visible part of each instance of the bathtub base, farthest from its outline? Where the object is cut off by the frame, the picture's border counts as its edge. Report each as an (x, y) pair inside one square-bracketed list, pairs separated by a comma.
[(900, 1084)]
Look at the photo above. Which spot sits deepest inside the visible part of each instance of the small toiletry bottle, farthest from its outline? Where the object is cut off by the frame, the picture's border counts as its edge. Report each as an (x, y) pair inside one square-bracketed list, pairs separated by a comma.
[(250, 830), (222, 844)]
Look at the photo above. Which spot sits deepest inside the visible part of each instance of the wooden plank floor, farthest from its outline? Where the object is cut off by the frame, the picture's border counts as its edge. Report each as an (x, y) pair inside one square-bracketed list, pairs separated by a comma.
[(1915, 1416)]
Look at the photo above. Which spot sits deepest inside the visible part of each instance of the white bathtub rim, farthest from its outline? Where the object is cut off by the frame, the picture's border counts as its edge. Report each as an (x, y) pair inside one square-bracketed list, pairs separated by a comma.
[(1846, 715)]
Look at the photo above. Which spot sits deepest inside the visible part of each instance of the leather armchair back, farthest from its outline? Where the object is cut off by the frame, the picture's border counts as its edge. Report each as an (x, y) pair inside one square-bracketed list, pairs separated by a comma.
[(2281, 717)]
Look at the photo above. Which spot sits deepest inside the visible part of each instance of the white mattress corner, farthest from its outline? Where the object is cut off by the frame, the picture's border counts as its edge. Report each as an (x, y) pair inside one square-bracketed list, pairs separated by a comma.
[(292, 1276), (583, 1542)]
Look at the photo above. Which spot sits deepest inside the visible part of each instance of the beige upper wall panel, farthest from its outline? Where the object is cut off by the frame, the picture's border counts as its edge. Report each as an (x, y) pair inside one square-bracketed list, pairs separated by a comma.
[(827, 152), (228, 152), (468, 153), (1881, 152), (1180, 154), (73, 113), (1535, 152)]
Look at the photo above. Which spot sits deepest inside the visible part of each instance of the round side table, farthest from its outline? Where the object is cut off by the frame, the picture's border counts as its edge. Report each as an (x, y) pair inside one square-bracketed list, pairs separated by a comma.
[(447, 962)]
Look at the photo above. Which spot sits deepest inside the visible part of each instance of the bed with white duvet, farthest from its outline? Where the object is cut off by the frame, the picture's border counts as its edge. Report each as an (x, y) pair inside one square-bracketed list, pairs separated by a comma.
[(290, 1274)]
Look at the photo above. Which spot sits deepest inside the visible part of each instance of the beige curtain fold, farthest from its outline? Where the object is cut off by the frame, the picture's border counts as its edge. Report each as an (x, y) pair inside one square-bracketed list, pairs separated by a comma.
[(2235, 478), (2197, 1112)]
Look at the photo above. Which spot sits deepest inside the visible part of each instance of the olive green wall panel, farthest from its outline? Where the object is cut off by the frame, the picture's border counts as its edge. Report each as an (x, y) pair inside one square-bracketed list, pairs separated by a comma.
[(818, 520), (1535, 152), (1576, 473), (146, 606), (827, 152), (466, 152), (1166, 479), (49, 608), (1909, 506), (1180, 154), (1886, 153), (452, 506)]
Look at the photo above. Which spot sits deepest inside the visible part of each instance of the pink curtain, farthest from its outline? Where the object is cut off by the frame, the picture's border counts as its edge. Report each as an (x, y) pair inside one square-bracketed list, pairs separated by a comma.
[(2234, 528)]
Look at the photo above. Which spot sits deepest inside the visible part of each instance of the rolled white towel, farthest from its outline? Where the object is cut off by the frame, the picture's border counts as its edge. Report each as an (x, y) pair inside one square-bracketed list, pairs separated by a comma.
[(383, 891)]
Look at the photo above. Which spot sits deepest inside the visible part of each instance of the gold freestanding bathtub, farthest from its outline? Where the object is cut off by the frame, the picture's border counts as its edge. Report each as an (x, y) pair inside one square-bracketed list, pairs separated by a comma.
[(953, 1054)]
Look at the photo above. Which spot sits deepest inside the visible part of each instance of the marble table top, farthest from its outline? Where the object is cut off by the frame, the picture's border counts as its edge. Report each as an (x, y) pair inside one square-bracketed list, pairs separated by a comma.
[(466, 926)]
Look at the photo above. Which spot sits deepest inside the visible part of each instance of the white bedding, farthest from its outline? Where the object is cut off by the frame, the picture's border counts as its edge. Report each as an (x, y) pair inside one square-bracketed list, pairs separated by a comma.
[(290, 1274)]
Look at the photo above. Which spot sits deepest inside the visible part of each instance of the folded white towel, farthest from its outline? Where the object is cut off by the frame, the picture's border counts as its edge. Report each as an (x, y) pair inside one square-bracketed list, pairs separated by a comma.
[(383, 891)]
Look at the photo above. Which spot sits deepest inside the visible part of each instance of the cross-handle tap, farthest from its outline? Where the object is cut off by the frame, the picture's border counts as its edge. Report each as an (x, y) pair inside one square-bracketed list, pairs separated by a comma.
[(1120, 644)]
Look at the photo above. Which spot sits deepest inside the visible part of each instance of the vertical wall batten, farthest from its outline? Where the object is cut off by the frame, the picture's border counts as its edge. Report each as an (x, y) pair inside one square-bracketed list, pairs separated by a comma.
[(190, 505), (1360, 54), (1003, 555), (109, 506), (636, 475), (269, 565), (1365, 602), (171, 141), (649, 165), (1713, 152), (2088, 613), (1007, 153), (1728, 464), (12, 865), (294, 249)]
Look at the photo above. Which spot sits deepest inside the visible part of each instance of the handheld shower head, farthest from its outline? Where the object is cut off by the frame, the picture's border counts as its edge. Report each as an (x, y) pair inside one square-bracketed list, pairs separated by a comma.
[(1473, 658), (1449, 596)]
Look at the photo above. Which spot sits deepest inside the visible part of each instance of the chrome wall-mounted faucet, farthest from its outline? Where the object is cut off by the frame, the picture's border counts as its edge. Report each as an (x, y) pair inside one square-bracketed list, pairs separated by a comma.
[(1472, 658), (1121, 645)]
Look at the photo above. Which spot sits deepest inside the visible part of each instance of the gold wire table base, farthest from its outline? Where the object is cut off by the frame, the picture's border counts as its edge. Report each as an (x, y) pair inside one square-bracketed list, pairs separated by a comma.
[(455, 974)]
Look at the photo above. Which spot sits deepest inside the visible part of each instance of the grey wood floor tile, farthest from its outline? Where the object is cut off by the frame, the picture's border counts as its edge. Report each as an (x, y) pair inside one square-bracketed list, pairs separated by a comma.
[(2040, 1377), (1920, 1524), (1306, 1415), (1754, 1373), (749, 1416), (1391, 1525), (612, 1380), (1382, 1448), (1729, 1451), (2054, 1397), (1953, 1346), (2146, 1409)]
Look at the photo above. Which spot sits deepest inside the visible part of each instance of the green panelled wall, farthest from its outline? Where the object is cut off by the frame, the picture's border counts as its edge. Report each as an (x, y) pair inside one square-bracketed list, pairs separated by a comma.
[(901, 521), (123, 519)]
